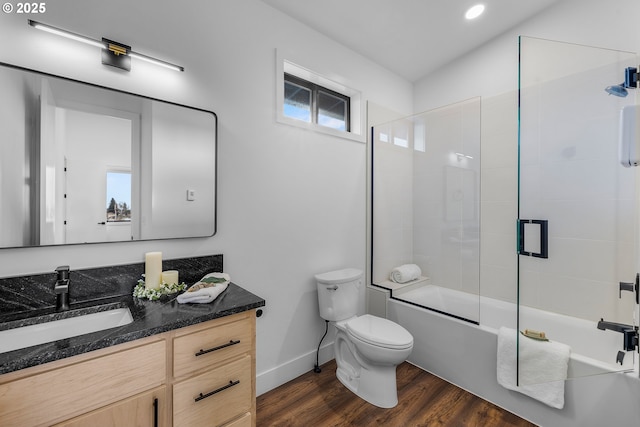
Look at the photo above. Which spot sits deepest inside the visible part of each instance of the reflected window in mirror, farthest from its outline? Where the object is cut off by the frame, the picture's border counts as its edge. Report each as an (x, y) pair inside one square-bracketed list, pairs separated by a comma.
[(118, 196)]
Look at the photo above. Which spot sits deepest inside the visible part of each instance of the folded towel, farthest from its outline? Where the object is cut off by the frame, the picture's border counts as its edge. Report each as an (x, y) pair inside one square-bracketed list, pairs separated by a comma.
[(405, 273), (206, 290), (543, 367)]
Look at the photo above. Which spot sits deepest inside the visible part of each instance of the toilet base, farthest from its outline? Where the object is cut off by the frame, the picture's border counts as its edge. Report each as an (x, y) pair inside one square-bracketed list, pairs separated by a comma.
[(377, 387), (368, 370)]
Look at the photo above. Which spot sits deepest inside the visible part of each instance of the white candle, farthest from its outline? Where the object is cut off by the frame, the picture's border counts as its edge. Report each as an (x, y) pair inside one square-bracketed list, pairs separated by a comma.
[(170, 277), (152, 269)]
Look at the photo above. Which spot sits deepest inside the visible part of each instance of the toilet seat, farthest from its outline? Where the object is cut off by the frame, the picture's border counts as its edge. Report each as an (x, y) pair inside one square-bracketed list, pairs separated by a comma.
[(379, 332)]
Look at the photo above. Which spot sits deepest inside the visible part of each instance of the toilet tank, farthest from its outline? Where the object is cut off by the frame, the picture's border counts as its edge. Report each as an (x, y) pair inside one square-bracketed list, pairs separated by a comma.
[(338, 293)]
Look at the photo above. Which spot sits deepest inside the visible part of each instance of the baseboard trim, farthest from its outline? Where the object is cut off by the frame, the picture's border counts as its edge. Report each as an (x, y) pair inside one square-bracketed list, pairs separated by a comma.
[(287, 371)]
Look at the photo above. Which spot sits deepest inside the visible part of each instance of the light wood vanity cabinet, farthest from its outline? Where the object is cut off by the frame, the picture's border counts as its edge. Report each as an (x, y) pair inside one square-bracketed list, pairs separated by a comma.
[(201, 375), (146, 409), (214, 373)]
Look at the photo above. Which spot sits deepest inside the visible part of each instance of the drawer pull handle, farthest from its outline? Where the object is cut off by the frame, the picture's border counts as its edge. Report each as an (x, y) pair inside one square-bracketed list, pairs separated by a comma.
[(211, 393), (220, 347), (155, 412)]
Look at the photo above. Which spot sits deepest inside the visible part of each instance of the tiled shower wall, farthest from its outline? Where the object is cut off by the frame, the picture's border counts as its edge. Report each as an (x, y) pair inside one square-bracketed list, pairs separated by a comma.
[(426, 195), (570, 175), (576, 284)]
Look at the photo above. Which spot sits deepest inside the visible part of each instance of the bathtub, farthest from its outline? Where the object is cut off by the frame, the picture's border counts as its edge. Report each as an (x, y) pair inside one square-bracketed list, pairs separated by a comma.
[(464, 354), (593, 351)]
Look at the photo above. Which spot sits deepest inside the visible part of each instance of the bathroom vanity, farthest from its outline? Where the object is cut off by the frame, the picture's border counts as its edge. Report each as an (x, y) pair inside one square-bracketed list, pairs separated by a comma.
[(173, 365)]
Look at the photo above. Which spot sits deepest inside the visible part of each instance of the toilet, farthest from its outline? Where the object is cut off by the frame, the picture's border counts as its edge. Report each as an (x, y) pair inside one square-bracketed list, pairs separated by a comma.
[(367, 348)]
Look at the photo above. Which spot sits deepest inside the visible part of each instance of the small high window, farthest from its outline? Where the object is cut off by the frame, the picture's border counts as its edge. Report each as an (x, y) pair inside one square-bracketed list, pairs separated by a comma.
[(312, 103)]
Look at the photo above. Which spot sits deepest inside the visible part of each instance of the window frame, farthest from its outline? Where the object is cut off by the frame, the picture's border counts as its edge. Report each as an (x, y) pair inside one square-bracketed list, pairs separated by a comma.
[(315, 90), (291, 62)]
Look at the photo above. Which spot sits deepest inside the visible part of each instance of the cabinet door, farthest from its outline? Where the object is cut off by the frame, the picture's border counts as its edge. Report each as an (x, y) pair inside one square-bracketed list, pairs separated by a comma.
[(144, 410), (75, 389)]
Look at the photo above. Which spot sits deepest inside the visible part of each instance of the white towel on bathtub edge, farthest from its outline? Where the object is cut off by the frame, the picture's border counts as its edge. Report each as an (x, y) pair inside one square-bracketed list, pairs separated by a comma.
[(405, 273), (543, 367)]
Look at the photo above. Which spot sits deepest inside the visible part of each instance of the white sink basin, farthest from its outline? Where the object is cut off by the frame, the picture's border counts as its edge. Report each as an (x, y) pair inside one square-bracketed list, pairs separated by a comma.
[(40, 333)]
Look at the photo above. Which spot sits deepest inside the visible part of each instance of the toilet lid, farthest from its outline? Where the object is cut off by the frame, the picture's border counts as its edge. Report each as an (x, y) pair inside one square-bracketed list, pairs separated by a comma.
[(380, 332)]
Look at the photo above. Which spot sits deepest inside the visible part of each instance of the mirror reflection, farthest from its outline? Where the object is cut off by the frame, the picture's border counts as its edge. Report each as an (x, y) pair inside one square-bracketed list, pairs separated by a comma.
[(81, 163)]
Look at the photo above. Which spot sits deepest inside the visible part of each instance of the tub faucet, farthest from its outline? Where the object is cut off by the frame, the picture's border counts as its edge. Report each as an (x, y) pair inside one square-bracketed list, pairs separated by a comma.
[(629, 332), (61, 288)]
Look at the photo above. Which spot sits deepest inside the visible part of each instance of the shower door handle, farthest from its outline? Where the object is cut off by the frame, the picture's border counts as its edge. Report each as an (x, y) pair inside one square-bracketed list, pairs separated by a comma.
[(544, 237)]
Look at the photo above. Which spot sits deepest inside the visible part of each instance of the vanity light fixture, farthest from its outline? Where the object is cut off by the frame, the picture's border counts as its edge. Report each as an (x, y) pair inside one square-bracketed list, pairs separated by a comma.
[(114, 53)]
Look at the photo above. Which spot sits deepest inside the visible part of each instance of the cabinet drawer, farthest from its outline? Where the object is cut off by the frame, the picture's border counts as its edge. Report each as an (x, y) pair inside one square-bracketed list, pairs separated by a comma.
[(65, 392), (243, 421), (209, 347), (215, 397)]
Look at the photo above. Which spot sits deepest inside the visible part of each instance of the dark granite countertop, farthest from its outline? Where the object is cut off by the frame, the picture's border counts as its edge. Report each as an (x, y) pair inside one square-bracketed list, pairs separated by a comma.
[(149, 318)]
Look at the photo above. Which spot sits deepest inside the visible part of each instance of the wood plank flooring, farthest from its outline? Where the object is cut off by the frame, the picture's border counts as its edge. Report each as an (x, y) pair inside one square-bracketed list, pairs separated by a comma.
[(320, 400)]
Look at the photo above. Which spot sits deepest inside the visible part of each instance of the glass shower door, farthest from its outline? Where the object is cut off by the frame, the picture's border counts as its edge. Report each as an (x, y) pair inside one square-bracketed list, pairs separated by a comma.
[(577, 209), (426, 208)]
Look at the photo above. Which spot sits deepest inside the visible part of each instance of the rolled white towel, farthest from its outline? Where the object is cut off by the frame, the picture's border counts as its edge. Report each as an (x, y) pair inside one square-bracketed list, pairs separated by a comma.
[(206, 290), (405, 273)]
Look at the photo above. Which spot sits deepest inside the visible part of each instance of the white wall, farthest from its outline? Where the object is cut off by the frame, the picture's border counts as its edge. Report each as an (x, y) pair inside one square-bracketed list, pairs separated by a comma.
[(291, 203), (492, 73), (493, 69)]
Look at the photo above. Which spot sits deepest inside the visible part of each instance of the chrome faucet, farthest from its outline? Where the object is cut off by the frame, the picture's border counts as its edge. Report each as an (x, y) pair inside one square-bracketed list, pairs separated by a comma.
[(61, 288)]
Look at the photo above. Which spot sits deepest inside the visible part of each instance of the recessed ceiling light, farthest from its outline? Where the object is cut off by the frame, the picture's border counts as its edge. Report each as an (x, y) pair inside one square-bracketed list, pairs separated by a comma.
[(474, 11)]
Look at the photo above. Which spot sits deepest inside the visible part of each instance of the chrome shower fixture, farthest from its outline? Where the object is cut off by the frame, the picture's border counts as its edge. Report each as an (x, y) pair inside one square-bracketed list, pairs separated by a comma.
[(630, 81)]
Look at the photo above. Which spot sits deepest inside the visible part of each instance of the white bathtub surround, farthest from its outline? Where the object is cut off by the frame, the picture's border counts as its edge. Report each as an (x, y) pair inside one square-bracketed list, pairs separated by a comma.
[(462, 305), (593, 351), (405, 273), (465, 354), (397, 288), (535, 368)]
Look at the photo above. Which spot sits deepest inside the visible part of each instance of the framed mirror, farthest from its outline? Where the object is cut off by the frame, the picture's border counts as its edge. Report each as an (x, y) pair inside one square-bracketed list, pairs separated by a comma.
[(81, 163)]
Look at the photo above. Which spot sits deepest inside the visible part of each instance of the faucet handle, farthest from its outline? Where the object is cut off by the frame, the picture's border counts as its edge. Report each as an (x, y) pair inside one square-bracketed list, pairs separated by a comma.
[(625, 286), (63, 272), (632, 287)]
